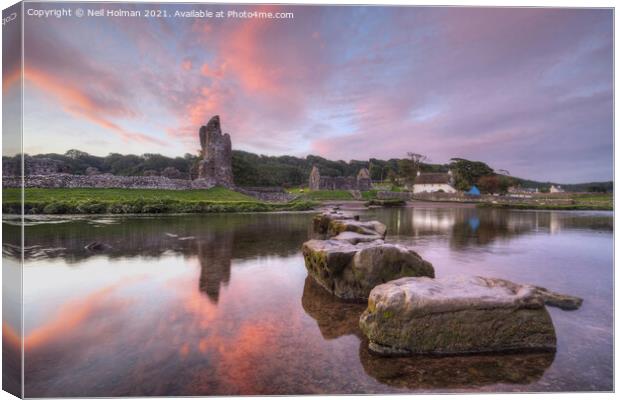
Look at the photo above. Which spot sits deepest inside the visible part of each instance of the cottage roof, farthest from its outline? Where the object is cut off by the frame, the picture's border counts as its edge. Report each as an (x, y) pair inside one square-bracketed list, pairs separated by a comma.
[(432, 177)]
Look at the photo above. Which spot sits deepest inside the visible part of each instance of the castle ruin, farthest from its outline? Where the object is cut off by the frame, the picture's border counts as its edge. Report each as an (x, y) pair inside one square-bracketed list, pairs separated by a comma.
[(215, 168), (360, 182)]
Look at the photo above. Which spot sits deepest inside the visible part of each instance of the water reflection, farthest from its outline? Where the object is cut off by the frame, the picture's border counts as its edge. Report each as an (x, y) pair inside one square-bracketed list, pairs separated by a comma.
[(215, 257), (215, 241), (156, 236), (467, 227), (336, 318), (465, 372), (221, 304)]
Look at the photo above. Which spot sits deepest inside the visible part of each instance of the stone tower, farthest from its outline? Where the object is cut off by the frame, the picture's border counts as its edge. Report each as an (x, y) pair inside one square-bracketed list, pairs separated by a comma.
[(363, 180), (314, 182), (216, 166)]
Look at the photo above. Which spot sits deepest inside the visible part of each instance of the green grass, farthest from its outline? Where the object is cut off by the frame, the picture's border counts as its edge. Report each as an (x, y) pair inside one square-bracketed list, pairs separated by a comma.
[(587, 201), (323, 195), (136, 201), (299, 191), (602, 199), (369, 195), (330, 195), (213, 194)]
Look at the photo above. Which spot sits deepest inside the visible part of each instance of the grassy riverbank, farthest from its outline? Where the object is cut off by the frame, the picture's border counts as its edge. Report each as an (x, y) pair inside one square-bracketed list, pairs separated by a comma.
[(578, 201), (139, 201), (331, 195)]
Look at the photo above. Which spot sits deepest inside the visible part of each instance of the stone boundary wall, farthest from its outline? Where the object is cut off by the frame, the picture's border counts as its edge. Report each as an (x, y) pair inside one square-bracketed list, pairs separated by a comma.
[(445, 197), (136, 182), (104, 182), (268, 194), (388, 195)]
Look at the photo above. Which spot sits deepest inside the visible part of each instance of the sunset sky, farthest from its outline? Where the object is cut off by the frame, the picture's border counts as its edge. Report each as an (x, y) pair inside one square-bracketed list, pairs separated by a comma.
[(526, 90)]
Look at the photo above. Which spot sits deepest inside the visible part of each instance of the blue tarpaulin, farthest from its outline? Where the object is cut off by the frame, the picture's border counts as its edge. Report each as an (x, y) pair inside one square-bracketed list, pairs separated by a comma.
[(474, 191)]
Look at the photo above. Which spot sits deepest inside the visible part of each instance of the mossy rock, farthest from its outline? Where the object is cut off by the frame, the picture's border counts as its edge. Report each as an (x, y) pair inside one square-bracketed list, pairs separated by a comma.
[(351, 271), (456, 315)]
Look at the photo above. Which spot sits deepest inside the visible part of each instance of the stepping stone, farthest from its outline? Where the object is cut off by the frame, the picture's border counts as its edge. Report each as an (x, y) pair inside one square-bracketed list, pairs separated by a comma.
[(456, 315)]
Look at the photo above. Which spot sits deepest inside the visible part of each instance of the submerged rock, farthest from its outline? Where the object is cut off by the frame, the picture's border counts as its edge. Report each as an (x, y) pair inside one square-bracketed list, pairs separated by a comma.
[(470, 371), (351, 271), (563, 301), (334, 317), (456, 315)]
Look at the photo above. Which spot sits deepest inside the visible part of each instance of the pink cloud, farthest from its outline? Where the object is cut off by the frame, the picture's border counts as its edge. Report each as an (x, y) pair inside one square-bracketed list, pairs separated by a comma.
[(78, 103), (186, 65), (444, 81)]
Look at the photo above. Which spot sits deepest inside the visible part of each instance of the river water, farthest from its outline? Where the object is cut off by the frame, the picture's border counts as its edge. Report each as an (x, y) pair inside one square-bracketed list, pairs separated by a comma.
[(221, 304)]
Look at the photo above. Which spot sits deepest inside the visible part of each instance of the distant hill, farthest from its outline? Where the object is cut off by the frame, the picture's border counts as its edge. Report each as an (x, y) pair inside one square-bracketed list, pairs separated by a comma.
[(602, 187)]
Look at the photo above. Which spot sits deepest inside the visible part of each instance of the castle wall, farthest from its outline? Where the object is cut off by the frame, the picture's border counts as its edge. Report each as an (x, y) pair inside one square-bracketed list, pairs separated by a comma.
[(105, 181), (318, 182), (108, 181), (217, 154)]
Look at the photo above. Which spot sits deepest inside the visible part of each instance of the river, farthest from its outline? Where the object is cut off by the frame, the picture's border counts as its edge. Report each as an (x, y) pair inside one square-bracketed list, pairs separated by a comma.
[(221, 304)]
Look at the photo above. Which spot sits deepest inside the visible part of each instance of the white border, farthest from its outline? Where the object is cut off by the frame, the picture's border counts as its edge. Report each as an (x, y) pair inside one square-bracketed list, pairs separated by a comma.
[(480, 3)]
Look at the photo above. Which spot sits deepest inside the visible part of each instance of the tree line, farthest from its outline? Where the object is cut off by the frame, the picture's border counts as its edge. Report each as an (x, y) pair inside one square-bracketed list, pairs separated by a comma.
[(251, 169)]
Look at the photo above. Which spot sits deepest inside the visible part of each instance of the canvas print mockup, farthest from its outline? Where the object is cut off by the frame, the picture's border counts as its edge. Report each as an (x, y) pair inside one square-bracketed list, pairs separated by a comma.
[(227, 199)]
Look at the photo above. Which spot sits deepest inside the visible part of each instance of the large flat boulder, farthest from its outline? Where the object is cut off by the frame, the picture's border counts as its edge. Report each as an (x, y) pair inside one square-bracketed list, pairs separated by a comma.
[(351, 271), (456, 315)]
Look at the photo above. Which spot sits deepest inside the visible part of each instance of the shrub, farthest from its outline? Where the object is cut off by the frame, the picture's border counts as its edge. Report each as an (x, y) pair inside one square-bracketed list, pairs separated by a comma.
[(57, 208), (91, 208), (155, 208)]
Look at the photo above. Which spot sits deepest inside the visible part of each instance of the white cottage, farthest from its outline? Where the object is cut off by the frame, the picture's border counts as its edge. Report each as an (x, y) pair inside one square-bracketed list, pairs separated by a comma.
[(556, 189), (432, 182)]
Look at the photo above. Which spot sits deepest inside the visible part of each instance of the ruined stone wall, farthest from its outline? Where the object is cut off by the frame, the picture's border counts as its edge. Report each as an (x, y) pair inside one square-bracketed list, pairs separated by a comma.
[(364, 184), (108, 181), (388, 195), (338, 183), (318, 182), (105, 181), (314, 181), (216, 166), (268, 194)]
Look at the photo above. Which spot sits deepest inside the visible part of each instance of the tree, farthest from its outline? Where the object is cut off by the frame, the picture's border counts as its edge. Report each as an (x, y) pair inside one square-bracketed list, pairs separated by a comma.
[(409, 167), (489, 184), (407, 170), (505, 183), (76, 154), (466, 173), (391, 175), (416, 160)]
